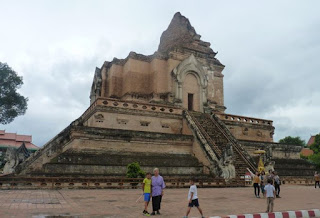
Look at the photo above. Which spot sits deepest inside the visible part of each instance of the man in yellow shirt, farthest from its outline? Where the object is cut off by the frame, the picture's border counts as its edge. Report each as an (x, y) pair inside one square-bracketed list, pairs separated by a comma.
[(146, 188)]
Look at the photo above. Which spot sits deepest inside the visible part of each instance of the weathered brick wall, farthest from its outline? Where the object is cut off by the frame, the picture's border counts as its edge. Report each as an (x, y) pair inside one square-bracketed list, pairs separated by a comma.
[(275, 150), (285, 157), (92, 151), (248, 128), (135, 122)]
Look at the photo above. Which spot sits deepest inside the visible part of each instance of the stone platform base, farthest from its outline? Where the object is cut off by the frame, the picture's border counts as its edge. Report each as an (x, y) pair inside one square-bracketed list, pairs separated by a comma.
[(25, 183)]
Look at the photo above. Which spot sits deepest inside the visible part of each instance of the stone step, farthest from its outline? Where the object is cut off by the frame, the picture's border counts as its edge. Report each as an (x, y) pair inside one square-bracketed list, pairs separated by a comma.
[(60, 170), (123, 159), (294, 167), (219, 139)]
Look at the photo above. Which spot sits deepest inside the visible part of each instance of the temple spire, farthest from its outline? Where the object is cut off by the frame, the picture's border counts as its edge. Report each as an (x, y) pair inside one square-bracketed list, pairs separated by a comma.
[(181, 34)]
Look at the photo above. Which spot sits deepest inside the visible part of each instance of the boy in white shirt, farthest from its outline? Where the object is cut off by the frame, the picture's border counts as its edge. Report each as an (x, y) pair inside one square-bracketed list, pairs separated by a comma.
[(270, 193), (193, 198)]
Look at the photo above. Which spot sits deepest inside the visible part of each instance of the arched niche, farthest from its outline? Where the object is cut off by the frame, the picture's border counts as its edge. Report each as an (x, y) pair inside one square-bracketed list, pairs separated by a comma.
[(187, 74)]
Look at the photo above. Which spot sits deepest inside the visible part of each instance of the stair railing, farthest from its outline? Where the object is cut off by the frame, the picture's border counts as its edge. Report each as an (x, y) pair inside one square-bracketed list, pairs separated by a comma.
[(214, 147), (239, 149)]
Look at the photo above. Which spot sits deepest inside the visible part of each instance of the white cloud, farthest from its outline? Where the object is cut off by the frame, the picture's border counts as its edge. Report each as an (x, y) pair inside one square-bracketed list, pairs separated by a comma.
[(270, 51), (300, 118)]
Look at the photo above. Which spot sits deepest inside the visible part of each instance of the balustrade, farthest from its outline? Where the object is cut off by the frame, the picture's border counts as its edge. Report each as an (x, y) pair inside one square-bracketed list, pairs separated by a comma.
[(243, 119), (133, 105)]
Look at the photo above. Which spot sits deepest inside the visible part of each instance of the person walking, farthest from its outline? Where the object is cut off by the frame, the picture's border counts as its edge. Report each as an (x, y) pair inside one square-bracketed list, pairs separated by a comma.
[(256, 182), (193, 199), (157, 185), (316, 179), (277, 183), (270, 193), (263, 181), (271, 176)]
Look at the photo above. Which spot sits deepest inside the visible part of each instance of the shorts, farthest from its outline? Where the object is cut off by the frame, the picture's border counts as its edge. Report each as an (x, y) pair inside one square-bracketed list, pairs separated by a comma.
[(146, 197), (194, 202)]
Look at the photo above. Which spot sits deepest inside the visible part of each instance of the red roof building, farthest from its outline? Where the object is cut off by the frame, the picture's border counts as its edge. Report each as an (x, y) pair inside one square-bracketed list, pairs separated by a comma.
[(15, 140), (311, 140), (306, 152)]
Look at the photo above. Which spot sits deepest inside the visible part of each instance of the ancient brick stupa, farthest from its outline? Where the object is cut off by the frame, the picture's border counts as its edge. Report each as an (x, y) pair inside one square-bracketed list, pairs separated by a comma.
[(162, 110)]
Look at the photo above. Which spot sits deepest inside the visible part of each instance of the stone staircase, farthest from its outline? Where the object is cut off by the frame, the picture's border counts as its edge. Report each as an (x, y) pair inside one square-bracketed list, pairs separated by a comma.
[(226, 149), (88, 163), (63, 157), (298, 168)]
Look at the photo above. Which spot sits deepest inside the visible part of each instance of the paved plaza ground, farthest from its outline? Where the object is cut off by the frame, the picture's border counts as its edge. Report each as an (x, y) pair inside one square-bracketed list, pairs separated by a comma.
[(122, 203)]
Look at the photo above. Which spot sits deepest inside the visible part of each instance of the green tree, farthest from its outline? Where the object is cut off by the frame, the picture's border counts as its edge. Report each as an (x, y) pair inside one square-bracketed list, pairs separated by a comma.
[(316, 145), (293, 141), (12, 104), (134, 171), (315, 158)]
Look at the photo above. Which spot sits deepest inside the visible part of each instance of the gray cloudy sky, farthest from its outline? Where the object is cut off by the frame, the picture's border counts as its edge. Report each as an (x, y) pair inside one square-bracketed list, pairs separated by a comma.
[(270, 49)]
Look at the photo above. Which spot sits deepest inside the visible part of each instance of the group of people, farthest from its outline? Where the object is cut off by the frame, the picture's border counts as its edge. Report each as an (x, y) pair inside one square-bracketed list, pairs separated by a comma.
[(261, 179), (269, 185), (153, 186)]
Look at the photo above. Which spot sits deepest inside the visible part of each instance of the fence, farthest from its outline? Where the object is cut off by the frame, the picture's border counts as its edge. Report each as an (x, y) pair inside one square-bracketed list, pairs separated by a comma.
[(121, 183), (96, 183), (289, 181)]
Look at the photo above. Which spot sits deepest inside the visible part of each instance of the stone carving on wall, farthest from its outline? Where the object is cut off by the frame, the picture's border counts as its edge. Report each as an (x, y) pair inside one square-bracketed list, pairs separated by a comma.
[(259, 133), (228, 169), (96, 85), (165, 125), (268, 153), (228, 153), (99, 116), (245, 131), (269, 166), (271, 134), (14, 157), (122, 121), (144, 123), (223, 168)]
